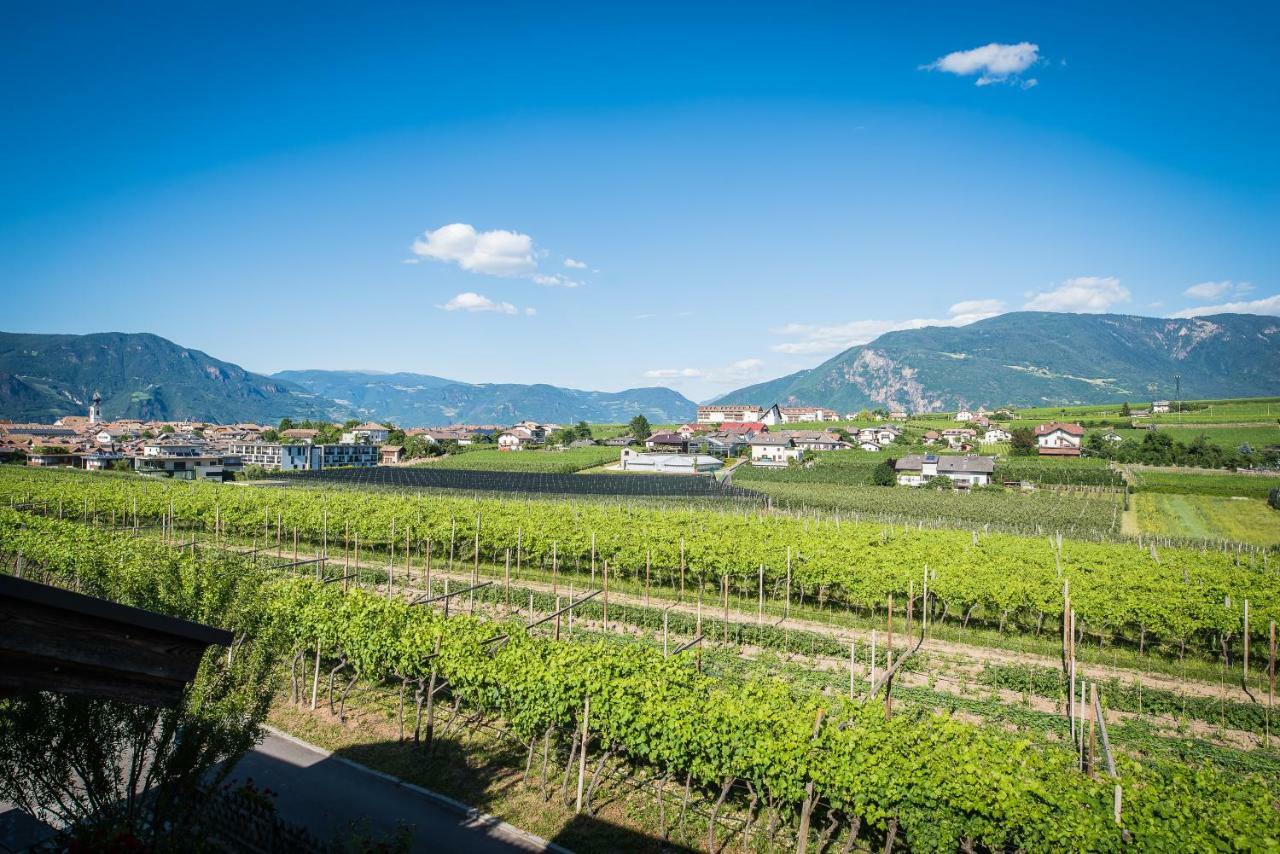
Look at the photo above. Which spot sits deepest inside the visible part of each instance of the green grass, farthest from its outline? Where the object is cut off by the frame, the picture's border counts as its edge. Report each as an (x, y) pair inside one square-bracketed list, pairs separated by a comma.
[(1208, 517), (1225, 485), (1227, 437), (548, 461)]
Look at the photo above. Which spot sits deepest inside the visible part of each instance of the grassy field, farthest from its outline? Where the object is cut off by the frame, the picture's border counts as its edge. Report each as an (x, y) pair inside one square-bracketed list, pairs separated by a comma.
[(550, 462), (1228, 437), (1209, 517), (1225, 485)]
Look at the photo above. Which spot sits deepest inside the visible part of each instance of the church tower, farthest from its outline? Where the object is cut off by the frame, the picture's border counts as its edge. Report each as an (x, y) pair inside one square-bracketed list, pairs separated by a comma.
[(95, 409)]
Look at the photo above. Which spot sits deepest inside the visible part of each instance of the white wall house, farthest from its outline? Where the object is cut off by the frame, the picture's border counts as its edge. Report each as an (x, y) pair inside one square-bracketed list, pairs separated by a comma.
[(374, 434), (964, 415), (915, 470), (994, 435), (773, 449), (1158, 406), (1059, 440)]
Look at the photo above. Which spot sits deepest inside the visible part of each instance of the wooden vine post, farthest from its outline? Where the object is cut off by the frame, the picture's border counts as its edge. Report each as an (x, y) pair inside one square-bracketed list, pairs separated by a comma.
[(648, 564), (506, 581), (787, 610), (682, 569), (806, 808), (582, 755), (760, 599), (606, 595), (724, 598)]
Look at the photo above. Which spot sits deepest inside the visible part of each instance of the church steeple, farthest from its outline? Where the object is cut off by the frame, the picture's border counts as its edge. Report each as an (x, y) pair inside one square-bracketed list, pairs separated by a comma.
[(95, 409)]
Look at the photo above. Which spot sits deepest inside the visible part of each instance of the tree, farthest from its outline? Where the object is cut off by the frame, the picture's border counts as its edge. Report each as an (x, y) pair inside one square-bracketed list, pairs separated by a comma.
[(285, 424), (639, 427), (270, 435), (168, 428), (1023, 443), (884, 474), (1125, 411), (583, 430)]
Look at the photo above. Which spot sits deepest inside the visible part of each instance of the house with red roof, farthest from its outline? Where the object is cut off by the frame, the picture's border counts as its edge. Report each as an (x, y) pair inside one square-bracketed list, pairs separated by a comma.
[(1057, 439)]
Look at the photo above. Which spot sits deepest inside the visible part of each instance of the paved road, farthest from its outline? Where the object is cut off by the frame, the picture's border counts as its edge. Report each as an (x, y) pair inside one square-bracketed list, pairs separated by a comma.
[(325, 795)]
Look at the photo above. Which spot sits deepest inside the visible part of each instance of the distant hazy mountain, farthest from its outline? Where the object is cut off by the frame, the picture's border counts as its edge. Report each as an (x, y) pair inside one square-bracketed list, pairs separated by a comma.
[(423, 399), (43, 377), (1039, 358)]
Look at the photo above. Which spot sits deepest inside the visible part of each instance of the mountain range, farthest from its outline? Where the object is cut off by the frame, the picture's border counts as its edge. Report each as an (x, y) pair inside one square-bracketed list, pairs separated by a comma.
[(43, 377), (424, 399), (1040, 358), (1023, 358)]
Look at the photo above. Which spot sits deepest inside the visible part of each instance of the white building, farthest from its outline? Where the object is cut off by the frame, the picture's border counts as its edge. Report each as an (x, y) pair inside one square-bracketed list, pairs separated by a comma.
[(773, 449), (1158, 406), (633, 460), (994, 435), (718, 412), (1059, 440), (374, 434), (957, 436), (796, 414), (869, 446), (964, 415), (915, 470), (277, 457), (95, 409)]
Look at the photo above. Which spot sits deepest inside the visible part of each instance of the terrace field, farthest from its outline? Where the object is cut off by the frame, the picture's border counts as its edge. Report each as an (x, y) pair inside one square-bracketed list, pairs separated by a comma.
[(1244, 520)]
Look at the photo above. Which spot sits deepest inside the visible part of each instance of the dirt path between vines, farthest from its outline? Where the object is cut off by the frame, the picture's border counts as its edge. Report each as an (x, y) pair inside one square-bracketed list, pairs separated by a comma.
[(712, 610)]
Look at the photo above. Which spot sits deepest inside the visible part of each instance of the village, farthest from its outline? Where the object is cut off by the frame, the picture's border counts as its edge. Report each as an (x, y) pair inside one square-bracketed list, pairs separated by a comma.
[(721, 436)]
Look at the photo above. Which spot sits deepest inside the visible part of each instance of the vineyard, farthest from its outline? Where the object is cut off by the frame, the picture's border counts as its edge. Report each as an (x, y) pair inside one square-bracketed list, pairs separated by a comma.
[(528, 483), (1091, 514), (564, 461), (1223, 485), (781, 764), (1129, 594)]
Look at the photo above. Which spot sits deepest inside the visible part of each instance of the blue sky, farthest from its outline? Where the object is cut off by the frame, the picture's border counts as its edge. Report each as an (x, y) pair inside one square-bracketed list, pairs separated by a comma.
[(609, 195)]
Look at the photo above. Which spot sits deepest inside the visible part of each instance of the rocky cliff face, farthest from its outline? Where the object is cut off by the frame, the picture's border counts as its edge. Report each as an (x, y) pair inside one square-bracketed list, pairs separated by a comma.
[(1040, 358)]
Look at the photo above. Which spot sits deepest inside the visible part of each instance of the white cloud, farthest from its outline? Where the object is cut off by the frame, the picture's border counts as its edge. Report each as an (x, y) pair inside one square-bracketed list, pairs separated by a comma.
[(733, 374), (1086, 294), (1266, 305), (837, 337), (993, 63), (1208, 290), (554, 281), (1214, 290), (530, 311), (470, 301), (575, 264), (498, 253), (969, 311)]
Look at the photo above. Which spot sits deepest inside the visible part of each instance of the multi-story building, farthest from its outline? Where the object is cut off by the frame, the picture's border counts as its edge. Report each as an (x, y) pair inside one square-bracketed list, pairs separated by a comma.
[(716, 413), (186, 461), (794, 414), (277, 457)]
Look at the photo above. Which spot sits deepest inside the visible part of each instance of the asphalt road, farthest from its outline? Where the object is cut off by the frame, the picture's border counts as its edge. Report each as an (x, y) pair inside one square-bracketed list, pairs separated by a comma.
[(326, 795)]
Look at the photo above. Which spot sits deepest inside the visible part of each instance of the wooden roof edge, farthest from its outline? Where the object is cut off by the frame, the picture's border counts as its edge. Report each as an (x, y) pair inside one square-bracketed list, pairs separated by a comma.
[(103, 609)]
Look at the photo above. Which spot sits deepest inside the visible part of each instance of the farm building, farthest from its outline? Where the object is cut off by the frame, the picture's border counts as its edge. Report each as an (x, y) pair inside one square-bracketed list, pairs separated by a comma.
[(669, 463)]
